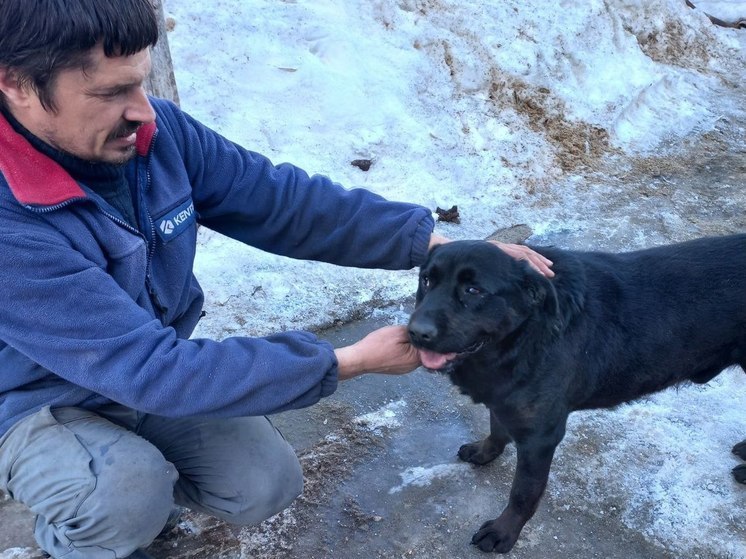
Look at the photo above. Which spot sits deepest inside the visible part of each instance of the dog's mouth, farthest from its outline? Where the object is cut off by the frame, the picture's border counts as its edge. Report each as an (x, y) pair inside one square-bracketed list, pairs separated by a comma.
[(438, 361)]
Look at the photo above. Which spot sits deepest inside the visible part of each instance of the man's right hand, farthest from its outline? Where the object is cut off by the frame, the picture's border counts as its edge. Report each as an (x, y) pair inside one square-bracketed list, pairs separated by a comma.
[(386, 350)]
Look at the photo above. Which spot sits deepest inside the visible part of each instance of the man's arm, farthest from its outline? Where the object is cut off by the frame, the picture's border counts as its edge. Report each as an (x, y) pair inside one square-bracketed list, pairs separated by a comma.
[(282, 210), (67, 315)]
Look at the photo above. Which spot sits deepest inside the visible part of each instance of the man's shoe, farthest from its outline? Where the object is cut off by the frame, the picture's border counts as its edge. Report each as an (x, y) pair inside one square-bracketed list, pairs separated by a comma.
[(173, 520)]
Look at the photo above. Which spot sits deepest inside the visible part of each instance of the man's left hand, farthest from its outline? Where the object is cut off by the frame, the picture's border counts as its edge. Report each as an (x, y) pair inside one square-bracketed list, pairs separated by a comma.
[(520, 252), (538, 262)]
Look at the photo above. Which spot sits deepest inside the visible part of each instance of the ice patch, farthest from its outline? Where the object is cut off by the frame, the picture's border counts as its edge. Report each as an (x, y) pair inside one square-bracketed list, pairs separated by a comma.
[(21, 553), (385, 417), (420, 477)]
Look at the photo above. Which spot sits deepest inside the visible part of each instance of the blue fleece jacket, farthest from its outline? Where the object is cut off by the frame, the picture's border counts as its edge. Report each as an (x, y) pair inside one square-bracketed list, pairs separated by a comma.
[(94, 310)]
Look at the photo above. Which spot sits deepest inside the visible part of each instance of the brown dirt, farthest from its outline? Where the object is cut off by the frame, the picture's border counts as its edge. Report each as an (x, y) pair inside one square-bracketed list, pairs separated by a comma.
[(578, 144)]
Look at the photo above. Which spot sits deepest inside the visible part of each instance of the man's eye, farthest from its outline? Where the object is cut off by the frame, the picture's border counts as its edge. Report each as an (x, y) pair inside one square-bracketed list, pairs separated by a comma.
[(113, 93)]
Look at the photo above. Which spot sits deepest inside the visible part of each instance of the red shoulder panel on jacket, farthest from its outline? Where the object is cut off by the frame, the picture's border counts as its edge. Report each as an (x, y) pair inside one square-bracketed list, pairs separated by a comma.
[(144, 138), (33, 177)]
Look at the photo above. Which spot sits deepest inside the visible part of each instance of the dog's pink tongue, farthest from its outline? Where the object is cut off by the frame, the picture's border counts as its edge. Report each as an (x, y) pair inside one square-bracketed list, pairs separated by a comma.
[(433, 360)]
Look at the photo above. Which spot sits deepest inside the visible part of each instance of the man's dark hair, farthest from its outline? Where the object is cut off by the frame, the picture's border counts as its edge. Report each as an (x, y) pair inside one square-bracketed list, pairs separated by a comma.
[(39, 38)]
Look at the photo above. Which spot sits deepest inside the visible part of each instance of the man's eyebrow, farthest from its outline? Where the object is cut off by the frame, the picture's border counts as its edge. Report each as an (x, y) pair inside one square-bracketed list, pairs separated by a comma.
[(116, 88)]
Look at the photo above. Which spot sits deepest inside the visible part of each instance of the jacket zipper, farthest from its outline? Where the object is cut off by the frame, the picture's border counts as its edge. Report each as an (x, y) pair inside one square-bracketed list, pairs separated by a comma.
[(154, 299), (150, 243)]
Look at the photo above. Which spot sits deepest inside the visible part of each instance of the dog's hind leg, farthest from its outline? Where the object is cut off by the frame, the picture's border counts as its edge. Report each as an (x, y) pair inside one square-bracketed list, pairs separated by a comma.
[(486, 450), (740, 450), (739, 472)]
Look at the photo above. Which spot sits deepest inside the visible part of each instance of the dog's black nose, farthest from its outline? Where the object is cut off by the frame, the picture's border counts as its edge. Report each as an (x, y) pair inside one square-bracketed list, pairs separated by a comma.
[(422, 331)]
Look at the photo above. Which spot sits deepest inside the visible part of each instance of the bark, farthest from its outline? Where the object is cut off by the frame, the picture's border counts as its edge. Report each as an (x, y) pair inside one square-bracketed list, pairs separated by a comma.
[(161, 81)]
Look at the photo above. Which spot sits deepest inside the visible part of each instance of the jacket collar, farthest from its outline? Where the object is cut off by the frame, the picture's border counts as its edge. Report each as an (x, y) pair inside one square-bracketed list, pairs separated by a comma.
[(35, 179)]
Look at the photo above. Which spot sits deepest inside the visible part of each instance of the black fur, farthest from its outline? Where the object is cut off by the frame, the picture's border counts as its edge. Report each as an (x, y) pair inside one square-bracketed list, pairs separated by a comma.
[(608, 328)]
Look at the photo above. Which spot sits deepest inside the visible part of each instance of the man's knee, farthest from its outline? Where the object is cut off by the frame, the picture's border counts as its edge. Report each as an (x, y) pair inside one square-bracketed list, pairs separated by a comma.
[(238, 469), (134, 494), (270, 494), (92, 484), (127, 510), (243, 470)]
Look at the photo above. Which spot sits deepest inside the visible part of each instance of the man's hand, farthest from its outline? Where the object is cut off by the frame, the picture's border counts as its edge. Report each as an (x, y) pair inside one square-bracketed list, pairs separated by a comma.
[(386, 350), (520, 252)]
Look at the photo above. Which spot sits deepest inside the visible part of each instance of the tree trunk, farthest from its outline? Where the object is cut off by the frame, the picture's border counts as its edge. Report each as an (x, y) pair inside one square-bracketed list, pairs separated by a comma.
[(161, 81)]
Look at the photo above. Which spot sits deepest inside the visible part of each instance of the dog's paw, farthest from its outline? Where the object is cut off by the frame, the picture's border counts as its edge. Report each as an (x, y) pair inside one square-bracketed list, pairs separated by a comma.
[(480, 453), (739, 473), (493, 537), (740, 450)]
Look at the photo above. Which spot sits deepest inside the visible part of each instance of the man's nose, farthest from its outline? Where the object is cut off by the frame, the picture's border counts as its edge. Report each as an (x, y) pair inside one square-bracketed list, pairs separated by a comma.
[(139, 108)]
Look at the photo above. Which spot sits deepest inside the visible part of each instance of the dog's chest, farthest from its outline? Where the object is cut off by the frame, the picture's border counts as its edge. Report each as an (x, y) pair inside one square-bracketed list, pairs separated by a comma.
[(478, 382)]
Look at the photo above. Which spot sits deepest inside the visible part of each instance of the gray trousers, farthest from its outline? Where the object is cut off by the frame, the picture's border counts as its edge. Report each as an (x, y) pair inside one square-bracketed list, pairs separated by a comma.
[(103, 484)]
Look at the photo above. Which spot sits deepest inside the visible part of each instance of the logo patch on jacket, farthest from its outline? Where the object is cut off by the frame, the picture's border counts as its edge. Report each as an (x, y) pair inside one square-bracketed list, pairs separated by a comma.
[(176, 221)]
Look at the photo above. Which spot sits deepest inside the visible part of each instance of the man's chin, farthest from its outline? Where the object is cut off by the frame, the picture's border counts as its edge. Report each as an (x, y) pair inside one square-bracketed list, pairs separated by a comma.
[(108, 153), (125, 157), (119, 149), (117, 156)]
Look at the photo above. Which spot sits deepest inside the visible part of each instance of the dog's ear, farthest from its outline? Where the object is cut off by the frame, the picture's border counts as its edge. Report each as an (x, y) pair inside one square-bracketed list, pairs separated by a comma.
[(419, 294), (541, 293), (551, 301), (535, 292), (533, 288)]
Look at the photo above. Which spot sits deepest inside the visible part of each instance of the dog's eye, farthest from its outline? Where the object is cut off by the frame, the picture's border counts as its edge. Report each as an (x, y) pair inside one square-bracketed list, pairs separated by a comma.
[(425, 281), (471, 290)]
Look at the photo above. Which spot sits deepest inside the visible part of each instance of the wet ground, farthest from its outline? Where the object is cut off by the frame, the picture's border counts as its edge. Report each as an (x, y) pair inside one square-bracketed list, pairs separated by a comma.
[(642, 481)]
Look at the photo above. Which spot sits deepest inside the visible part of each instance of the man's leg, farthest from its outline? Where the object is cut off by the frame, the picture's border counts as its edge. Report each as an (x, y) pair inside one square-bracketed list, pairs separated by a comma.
[(238, 469), (98, 490)]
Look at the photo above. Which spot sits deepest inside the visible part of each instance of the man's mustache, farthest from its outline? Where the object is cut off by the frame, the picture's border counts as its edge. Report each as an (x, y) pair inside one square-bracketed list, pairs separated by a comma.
[(125, 129)]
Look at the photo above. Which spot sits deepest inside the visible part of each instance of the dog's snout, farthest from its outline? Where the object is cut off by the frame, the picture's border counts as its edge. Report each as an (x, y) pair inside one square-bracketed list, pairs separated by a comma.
[(422, 331)]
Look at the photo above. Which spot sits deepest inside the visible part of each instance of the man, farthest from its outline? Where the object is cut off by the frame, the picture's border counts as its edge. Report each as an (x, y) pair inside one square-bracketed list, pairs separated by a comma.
[(109, 413)]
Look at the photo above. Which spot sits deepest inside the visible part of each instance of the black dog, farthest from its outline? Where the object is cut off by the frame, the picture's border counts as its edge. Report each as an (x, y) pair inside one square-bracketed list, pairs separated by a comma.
[(608, 328)]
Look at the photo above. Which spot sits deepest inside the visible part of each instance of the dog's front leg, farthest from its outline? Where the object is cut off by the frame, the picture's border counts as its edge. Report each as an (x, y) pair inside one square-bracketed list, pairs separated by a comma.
[(532, 472), (486, 450)]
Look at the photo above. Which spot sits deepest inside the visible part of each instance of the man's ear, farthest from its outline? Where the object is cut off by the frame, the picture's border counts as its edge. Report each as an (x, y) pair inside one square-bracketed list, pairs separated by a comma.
[(15, 94)]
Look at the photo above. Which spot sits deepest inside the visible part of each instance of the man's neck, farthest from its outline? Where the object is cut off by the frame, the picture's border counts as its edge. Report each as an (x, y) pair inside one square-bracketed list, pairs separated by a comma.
[(106, 179), (80, 169)]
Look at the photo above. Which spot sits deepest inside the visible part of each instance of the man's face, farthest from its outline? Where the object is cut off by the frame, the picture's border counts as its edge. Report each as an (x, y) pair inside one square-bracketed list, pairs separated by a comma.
[(98, 111)]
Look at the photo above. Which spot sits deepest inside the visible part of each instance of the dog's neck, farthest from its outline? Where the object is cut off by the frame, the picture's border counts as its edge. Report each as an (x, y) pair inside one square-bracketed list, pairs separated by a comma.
[(492, 371)]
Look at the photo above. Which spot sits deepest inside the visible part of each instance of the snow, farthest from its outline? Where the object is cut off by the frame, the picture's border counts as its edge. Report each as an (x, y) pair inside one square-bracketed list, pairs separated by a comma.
[(451, 100), (672, 465), (454, 103)]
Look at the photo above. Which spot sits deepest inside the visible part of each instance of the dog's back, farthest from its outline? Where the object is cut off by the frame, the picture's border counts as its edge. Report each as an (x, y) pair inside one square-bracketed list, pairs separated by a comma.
[(644, 320)]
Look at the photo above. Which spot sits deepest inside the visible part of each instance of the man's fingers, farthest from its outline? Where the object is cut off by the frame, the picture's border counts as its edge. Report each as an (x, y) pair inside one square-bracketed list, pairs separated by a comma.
[(537, 261), (543, 267)]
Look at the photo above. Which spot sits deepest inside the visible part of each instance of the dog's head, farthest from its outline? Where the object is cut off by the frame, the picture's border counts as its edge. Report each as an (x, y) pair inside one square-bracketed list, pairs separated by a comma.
[(471, 293)]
